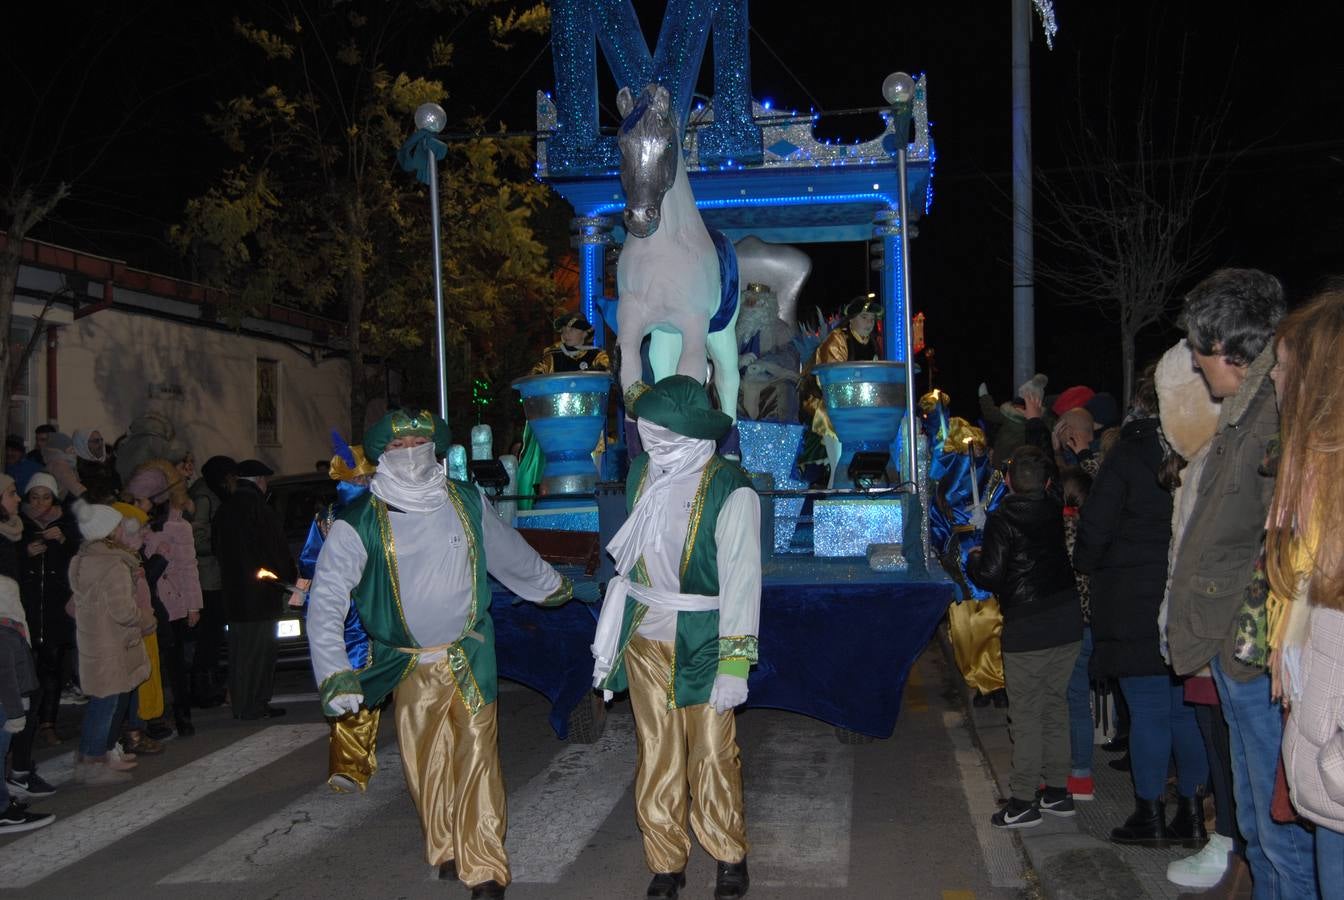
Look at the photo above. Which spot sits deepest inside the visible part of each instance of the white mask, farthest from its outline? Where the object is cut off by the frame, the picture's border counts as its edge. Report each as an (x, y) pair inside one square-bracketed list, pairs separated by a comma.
[(410, 478)]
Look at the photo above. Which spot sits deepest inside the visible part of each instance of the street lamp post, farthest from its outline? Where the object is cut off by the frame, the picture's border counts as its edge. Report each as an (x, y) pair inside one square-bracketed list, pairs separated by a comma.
[(899, 91), (430, 117)]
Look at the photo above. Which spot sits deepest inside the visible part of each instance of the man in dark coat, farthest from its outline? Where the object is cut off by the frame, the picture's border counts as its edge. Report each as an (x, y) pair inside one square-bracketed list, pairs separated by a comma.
[(248, 536)]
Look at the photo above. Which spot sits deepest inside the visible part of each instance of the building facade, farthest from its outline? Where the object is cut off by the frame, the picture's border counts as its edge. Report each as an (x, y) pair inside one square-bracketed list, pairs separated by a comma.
[(114, 343)]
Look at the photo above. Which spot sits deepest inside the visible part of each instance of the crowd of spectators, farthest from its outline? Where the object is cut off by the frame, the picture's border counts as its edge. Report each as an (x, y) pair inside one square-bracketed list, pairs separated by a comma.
[(121, 574), (1190, 556)]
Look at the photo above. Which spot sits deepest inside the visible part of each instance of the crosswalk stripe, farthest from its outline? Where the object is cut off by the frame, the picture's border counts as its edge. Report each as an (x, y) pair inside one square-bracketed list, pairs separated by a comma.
[(75, 837), (554, 816), (317, 818), (799, 791)]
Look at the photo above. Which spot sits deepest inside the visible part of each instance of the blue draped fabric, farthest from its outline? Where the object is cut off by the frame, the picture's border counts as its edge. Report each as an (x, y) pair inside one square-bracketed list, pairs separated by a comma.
[(836, 643), (727, 281), (356, 638), (950, 474)]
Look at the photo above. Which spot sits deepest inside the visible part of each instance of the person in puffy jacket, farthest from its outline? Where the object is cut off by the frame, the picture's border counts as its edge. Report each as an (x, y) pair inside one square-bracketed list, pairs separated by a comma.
[(1023, 560), (112, 614), (1123, 537)]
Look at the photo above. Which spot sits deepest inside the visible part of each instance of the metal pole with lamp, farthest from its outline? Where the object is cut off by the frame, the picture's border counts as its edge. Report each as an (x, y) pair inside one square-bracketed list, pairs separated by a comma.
[(899, 91), (431, 117)]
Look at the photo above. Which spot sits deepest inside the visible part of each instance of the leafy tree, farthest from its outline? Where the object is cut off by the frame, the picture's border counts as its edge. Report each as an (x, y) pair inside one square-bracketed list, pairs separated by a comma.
[(315, 212)]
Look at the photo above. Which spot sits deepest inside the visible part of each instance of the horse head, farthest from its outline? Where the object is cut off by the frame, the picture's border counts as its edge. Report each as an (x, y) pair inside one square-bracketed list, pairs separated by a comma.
[(649, 146)]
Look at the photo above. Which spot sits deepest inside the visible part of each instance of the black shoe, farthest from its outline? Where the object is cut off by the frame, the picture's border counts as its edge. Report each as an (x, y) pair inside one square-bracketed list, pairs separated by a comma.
[(665, 885), (29, 784), (489, 890), (1187, 825), (1117, 744), (16, 818), (1121, 764), (1055, 801), (448, 870), (980, 700), (732, 881), (1016, 814), (1147, 826), (159, 731), (999, 699), (185, 728), (204, 693), (275, 712)]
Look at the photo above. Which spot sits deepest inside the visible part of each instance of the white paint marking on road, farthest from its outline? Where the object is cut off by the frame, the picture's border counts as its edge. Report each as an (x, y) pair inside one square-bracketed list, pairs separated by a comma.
[(75, 837), (1003, 862), (554, 816), (317, 818), (311, 697), (799, 799)]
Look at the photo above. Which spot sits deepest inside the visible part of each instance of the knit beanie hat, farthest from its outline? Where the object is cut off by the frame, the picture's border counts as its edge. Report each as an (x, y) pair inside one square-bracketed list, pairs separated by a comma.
[(97, 521), (41, 480), (149, 483), (1072, 398)]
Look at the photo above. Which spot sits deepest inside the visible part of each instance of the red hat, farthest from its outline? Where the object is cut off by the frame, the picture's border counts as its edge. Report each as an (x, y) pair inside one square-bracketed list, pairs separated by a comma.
[(1072, 398)]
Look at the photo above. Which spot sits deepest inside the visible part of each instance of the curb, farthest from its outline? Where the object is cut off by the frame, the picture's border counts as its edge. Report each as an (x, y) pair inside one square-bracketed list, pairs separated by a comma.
[(1068, 864)]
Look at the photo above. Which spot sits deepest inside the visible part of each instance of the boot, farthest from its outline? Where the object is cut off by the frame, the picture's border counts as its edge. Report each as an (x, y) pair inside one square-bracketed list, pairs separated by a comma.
[(1146, 827), (1187, 825), (204, 692), (731, 881)]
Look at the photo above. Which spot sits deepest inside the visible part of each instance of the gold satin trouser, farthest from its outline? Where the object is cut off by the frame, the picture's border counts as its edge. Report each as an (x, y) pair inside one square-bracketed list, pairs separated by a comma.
[(354, 746), (451, 760), (692, 748), (974, 627)]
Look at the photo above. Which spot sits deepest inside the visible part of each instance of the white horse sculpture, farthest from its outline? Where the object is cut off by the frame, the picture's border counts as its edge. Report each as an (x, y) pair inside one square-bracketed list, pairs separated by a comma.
[(670, 277)]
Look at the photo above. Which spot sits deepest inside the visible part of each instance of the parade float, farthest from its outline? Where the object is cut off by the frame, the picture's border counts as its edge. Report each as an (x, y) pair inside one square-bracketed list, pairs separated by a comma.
[(849, 599)]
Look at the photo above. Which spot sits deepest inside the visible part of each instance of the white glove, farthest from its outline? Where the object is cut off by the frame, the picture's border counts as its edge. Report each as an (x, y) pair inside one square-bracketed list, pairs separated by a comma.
[(15, 725), (978, 518), (25, 702), (728, 691), (983, 390), (346, 704)]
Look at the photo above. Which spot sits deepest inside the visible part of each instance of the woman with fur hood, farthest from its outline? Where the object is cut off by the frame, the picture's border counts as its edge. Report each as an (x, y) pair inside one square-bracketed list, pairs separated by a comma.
[(1189, 418)]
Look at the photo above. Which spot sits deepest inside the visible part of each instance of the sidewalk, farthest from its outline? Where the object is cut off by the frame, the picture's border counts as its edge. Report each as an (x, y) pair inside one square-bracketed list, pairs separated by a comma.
[(1074, 858)]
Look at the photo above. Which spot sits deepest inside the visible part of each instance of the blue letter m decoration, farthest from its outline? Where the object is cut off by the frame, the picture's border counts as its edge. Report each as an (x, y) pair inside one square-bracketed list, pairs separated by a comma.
[(577, 26)]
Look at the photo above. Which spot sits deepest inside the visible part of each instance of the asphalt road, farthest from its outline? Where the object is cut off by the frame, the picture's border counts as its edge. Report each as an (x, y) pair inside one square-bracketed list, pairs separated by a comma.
[(241, 810)]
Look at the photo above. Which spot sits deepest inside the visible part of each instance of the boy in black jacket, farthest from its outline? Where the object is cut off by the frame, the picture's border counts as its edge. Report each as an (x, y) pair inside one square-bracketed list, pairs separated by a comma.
[(1024, 562)]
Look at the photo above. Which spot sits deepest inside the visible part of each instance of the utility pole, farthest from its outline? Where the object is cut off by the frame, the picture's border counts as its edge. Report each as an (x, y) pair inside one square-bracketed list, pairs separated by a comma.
[(1024, 266)]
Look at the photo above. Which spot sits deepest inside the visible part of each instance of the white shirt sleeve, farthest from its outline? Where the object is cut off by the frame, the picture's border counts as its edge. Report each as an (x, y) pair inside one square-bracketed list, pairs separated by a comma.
[(738, 535), (512, 560), (340, 566)]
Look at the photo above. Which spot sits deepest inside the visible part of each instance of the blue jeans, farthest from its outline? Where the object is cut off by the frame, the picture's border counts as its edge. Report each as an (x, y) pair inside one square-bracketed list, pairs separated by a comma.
[(1080, 712), (1330, 861), (1160, 724), (1282, 857), (101, 716)]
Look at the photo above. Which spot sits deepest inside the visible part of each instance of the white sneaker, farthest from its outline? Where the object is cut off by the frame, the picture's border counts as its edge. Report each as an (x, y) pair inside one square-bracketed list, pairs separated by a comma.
[(1205, 868)]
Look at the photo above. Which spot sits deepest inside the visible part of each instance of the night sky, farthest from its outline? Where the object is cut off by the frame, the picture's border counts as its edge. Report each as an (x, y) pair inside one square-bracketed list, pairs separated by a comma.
[(1276, 67)]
